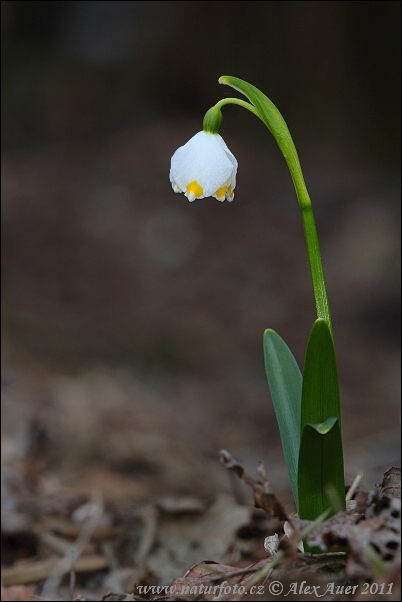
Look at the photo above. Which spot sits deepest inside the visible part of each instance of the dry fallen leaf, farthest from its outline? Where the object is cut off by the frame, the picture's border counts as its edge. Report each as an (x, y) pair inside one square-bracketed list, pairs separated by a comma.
[(391, 483), (204, 579), (264, 496), (182, 541)]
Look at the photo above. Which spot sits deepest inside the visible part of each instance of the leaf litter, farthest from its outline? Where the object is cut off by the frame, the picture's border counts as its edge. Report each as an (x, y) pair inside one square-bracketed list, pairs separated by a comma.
[(70, 547)]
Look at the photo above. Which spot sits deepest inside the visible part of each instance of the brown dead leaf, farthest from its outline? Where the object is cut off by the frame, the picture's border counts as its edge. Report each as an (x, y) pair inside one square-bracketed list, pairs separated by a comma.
[(391, 483), (125, 579), (391, 583), (183, 540), (264, 496), (374, 534), (202, 580), (331, 535)]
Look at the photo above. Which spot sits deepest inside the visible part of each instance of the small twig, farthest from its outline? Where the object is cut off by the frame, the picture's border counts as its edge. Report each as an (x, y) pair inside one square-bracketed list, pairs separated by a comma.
[(220, 575), (71, 585), (354, 486), (75, 550), (72, 530), (58, 544), (42, 569), (326, 558)]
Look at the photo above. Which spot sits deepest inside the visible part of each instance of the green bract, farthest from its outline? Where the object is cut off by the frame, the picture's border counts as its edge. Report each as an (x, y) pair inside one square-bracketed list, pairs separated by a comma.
[(212, 121)]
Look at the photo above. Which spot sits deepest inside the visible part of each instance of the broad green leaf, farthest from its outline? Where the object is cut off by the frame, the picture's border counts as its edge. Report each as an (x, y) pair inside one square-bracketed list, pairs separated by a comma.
[(321, 471), (320, 392), (321, 456), (285, 384)]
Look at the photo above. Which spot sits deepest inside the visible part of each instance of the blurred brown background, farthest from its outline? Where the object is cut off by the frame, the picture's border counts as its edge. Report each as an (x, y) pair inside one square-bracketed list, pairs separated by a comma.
[(132, 319)]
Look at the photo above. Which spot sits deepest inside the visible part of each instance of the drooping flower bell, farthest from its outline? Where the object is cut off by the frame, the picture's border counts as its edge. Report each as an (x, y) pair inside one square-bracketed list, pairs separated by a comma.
[(204, 166)]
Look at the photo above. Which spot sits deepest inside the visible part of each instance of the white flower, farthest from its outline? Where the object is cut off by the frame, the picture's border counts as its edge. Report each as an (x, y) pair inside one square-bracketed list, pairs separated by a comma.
[(204, 167)]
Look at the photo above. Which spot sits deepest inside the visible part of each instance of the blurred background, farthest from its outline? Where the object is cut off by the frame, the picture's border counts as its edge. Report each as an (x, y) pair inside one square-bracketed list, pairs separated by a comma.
[(132, 319)]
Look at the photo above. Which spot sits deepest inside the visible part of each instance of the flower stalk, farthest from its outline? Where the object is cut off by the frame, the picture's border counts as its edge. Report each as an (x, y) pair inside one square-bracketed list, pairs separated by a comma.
[(307, 406), (276, 124)]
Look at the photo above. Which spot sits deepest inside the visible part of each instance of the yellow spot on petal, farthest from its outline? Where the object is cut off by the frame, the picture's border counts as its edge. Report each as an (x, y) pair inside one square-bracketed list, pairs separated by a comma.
[(194, 190), (220, 193)]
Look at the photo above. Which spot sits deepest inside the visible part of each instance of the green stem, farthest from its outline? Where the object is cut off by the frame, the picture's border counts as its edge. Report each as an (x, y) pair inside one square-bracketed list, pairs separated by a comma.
[(238, 102), (311, 236), (316, 269), (310, 230), (265, 110)]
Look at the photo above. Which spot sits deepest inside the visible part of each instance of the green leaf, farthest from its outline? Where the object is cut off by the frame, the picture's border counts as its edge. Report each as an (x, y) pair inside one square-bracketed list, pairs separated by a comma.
[(320, 393), (320, 477), (285, 384), (320, 466)]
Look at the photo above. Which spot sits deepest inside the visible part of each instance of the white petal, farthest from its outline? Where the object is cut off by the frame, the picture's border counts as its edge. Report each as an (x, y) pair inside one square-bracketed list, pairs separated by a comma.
[(205, 160)]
